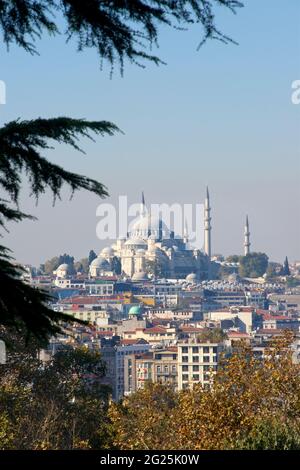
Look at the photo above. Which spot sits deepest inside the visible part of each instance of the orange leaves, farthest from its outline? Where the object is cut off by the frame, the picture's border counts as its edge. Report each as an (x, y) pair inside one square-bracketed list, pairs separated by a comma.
[(248, 396)]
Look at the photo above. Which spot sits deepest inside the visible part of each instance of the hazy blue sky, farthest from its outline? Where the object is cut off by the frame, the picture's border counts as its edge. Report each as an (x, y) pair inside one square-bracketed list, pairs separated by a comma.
[(222, 116)]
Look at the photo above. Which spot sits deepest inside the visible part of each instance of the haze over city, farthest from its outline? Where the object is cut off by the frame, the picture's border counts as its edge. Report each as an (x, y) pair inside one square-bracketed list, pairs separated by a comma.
[(221, 116)]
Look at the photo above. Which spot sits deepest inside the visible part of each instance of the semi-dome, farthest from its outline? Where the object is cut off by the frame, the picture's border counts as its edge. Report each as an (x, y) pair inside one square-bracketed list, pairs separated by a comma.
[(135, 310)]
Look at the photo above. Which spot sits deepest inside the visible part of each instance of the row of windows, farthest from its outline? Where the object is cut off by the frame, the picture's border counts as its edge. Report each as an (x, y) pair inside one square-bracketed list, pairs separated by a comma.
[(196, 368), (196, 359), (165, 368), (195, 349)]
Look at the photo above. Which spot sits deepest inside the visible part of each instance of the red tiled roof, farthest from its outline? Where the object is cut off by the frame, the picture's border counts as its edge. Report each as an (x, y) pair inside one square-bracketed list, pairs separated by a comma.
[(276, 317), (238, 334), (155, 329), (191, 329), (132, 341), (269, 331)]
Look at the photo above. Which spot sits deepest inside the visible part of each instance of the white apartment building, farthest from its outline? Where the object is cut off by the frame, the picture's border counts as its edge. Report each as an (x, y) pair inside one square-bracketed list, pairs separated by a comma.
[(197, 363)]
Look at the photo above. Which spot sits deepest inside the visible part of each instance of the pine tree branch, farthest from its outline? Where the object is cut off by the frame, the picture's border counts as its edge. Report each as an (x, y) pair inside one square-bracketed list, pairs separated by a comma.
[(20, 145), (25, 308), (117, 29)]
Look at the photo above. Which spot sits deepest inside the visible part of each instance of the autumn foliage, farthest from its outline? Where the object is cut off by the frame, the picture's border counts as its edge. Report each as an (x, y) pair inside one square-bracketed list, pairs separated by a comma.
[(253, 403)]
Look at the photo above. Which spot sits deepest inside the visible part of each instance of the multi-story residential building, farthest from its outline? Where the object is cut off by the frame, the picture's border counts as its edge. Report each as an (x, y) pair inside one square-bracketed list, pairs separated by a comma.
[(197, 363), (114, 354), (158, 366), (99, 287)]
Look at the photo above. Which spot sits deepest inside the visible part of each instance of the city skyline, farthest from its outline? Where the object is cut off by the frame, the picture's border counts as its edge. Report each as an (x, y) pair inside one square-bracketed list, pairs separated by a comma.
[(185, 125)]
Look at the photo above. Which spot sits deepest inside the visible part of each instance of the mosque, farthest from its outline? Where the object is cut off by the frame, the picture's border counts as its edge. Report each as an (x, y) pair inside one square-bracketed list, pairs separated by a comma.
[(151, 249)]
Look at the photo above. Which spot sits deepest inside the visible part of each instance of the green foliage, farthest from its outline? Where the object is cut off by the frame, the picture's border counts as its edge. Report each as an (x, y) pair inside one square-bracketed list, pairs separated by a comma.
[(92, 256), (82, 266), (212, 335), (253, 265), (271, 434), (286, 268), (293, 282), (233, 259), (24, 307), (20, 146), (116, 265), (251, 404), (53, 405), (118, 30), (143, 420), (51, 265), (155, 268)]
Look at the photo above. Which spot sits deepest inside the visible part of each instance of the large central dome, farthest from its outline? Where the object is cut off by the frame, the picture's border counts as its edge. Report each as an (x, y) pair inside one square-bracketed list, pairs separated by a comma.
[(149, 226)]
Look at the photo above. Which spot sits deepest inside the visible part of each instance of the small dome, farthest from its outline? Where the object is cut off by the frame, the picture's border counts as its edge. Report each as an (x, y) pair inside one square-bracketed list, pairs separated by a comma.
[(141, 276), (134, 310), (99, 262), (63, 267), (191, 277)]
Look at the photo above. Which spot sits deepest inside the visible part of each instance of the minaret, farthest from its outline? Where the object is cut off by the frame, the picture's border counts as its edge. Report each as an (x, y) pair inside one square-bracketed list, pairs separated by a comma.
[(185, 235), (143, 206), (247, 238), (207, 226)]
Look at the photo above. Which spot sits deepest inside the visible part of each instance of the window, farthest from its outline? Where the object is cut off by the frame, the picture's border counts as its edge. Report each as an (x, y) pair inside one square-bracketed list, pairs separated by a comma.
[(185, 358), (206, 368), (185, 377), (195, 350), (215, 349), (184, 368), (195, 368), (185, 350), (158, 369), (205, 350), (206, 377), (205, 358), (174, 368), (196, 377), (166, 368), (195, 358)]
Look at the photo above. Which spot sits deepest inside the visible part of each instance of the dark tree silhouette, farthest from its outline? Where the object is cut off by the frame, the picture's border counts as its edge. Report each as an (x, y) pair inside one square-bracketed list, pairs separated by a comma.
[(92, 256), (286, 269), (118, 30)]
